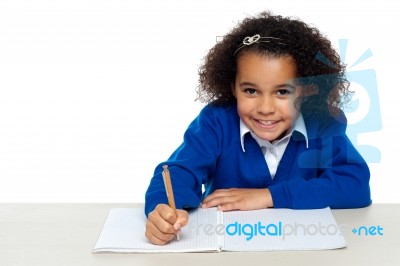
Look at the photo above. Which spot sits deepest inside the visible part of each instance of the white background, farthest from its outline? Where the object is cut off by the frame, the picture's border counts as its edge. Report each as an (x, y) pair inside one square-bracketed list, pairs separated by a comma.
[(94, 94)]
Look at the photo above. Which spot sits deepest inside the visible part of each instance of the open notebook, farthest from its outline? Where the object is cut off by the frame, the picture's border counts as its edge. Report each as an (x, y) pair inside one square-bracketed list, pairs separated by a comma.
[(210, 230)]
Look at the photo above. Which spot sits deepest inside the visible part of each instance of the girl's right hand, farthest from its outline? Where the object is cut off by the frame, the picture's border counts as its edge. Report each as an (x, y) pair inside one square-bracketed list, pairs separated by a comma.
[(163, 224)]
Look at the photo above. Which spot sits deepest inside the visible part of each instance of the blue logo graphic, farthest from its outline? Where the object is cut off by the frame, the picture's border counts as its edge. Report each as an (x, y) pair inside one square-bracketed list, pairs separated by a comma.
[(368, 230), (251, 230), (363, 113), (279, 229), (263, 229)]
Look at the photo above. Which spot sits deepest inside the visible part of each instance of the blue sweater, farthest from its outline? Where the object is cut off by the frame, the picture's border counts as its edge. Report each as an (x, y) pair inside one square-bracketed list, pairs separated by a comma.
[(330, 172)]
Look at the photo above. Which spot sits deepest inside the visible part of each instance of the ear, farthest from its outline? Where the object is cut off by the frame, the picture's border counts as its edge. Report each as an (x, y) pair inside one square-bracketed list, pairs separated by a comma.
[(302, 92), (308, 90)]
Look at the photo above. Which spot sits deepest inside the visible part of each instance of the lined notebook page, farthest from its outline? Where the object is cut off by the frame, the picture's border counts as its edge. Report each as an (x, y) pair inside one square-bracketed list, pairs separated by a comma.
[(283, 229), (124, 229)]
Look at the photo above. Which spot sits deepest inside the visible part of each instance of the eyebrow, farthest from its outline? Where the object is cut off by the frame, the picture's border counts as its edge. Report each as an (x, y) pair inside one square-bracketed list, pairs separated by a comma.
[(250, 84), (241, 84)]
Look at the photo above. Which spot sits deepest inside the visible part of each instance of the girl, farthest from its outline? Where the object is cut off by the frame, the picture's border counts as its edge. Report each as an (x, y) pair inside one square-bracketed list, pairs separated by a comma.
[(272, 133)]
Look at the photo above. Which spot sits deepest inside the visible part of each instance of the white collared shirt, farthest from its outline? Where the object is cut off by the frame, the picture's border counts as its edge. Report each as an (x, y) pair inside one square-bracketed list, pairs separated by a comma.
[(273, 151)]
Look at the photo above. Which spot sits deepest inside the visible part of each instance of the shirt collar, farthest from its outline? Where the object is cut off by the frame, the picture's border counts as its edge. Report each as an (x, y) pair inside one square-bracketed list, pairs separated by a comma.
[(299, 126)]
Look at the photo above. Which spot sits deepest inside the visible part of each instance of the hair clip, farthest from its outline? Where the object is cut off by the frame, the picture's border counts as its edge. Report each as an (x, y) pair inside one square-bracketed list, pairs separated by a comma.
[(249, 40)]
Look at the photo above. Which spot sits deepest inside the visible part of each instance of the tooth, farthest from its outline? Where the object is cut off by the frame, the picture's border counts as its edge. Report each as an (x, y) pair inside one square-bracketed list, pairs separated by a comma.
[(267, 123)]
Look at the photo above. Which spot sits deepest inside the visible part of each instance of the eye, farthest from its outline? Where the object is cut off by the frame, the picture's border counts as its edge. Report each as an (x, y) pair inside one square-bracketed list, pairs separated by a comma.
[(250, 91), (283, 92)]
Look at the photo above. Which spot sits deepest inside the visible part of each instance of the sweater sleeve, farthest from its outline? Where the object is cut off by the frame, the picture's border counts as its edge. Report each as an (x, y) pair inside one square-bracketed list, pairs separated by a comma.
[(190, 165), (342, 180)]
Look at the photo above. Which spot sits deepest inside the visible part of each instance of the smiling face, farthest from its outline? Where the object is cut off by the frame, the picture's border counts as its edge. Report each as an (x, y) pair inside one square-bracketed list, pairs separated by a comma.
[(265, 92)]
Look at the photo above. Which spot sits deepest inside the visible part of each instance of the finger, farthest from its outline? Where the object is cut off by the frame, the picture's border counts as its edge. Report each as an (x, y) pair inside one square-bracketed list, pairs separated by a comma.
[(219, 193), (219, 201), (223, 190), (167, 213), (160, 223), (182, 219), (155, 238), (231, 206), (153, 229)]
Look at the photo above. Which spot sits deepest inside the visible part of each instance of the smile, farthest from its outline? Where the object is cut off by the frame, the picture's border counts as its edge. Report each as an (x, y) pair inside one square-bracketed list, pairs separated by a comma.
[(267, 123)]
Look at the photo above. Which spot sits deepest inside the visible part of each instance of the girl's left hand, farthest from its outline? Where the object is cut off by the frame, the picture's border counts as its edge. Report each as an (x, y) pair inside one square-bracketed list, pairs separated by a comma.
[(239, 199)]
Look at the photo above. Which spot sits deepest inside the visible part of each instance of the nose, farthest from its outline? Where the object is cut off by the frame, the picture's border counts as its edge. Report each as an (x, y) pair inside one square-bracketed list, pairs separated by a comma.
[(266, 105)]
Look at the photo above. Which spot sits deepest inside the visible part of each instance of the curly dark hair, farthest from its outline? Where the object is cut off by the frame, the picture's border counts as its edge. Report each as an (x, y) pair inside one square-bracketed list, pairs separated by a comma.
[(319, 68)]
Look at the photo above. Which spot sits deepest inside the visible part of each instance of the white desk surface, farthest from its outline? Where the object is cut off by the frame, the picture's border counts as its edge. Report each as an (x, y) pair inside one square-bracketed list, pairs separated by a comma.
[(65, 234)]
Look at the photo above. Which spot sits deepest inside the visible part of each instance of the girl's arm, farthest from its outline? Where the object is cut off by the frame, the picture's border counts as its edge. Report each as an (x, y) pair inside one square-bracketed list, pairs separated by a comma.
[(190, 165), (343, 175)]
